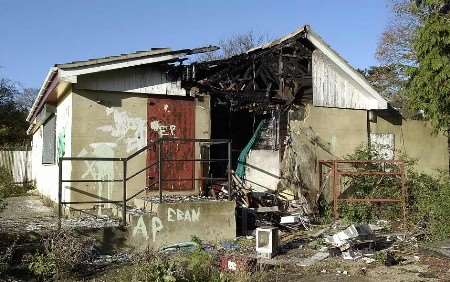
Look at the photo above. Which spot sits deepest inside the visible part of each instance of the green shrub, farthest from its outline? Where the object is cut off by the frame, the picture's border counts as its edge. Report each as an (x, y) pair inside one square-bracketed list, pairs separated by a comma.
[(429, 202), (370, 186), (150, 265), (7, 187), (200, 267), (428, 199), (44, 266)]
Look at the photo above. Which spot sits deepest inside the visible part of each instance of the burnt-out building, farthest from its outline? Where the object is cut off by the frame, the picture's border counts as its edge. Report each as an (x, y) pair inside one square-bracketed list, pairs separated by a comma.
[(294, 101), (269, 114)]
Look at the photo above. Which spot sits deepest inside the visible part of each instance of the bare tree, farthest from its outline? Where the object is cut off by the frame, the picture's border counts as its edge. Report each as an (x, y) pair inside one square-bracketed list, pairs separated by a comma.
[(395, 45), (235, 45), (25, 98)]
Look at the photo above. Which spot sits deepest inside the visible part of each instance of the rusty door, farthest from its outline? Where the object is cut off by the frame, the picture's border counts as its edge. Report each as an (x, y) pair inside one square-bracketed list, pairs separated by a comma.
[(172, 118)]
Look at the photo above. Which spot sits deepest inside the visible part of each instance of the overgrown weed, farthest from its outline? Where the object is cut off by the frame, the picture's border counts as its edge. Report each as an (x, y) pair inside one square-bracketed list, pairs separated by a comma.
[(428, 196)]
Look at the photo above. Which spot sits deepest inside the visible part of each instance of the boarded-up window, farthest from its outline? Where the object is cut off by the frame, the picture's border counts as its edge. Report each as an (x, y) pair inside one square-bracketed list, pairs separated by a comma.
[(384, 144), (48, 141)]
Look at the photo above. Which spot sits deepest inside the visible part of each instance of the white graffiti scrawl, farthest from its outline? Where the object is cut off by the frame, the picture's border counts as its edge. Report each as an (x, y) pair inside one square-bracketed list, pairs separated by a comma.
[(100, 170), (131, 130), (156, 224), (163, 130)]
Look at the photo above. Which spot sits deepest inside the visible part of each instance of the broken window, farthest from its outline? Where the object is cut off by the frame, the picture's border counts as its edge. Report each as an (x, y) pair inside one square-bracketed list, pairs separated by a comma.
[(383, 143), (48, 141)]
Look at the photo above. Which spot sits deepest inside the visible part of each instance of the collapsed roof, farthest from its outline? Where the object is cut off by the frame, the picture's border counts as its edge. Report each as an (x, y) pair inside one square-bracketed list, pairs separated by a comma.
[(288, 70)]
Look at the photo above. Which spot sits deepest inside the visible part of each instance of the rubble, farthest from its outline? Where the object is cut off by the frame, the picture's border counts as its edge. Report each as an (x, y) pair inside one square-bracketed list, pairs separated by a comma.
[(319, 256), (341, 239), (180, 198)]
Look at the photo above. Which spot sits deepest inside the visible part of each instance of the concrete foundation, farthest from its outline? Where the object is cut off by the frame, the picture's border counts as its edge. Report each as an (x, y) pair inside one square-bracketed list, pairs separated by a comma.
[(171, 223)]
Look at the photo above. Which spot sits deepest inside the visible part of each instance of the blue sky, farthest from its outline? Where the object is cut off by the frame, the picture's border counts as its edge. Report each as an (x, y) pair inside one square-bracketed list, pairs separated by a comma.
[(37, 34)]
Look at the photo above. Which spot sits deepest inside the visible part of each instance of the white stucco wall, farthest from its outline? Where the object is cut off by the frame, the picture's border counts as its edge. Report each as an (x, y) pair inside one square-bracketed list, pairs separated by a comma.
[(46, 175)]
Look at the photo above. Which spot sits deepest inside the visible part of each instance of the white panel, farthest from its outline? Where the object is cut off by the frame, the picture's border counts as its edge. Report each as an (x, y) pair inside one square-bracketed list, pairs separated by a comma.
[(148, 79), (384, 144), (334, 88), (263, 170)]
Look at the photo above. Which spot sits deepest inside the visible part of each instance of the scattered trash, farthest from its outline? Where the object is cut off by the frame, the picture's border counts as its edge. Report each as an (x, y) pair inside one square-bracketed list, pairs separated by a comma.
[(390, 259), (229, 245), (368, 260), (183, 246), (340, 239), (267, 242), (239, 263)]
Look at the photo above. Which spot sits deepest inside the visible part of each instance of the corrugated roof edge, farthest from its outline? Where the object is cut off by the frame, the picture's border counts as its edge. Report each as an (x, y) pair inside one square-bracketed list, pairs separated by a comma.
[(136, 55)]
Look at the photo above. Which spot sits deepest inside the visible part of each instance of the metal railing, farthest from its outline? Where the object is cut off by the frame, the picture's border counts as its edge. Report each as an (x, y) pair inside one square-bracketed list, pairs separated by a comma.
[(159, 163), (356, 168)]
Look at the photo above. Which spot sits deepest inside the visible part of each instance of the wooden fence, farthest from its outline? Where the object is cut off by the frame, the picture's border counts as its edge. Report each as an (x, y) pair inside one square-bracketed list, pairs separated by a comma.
[(18, 163)]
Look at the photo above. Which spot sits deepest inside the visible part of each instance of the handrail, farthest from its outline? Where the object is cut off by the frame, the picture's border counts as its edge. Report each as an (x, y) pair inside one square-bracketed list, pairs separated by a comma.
[(125, 179), (91, 159), (142, 170), (141, 150), (142, 190)]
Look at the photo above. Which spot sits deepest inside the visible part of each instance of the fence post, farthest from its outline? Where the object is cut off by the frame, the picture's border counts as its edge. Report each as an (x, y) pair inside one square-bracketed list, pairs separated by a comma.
[(59, 191), (335, 198), (229, 170), (124, 183), (404, 191), (160, 168)]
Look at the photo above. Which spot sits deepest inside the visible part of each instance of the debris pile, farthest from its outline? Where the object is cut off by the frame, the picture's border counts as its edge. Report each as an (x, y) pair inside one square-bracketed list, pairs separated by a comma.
[(356, 241), (269, 208)]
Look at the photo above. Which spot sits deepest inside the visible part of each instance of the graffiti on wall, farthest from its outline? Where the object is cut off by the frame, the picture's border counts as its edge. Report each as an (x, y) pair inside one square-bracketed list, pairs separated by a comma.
[(100, 170), (155, 224), (130, 130), (163, 130), (63, 124), (61, 143)]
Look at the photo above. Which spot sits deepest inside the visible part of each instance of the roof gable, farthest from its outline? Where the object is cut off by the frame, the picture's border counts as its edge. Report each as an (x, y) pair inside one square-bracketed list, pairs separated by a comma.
[(371, 98)]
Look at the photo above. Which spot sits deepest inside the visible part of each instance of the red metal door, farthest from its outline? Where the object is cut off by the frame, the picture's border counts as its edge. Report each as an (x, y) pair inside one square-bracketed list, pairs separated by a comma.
[(172, 118)]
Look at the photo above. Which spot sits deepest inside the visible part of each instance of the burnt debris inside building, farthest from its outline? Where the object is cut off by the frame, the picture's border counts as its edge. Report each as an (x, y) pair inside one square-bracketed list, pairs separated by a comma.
[(252, 94)]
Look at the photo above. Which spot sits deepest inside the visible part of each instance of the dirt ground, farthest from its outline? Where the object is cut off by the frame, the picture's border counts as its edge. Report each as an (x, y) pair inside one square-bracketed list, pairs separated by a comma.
[(28, 214)]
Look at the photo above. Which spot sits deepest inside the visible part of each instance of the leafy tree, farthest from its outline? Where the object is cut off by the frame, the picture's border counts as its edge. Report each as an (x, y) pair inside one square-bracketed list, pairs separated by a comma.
[(12, 115), (396, 54), (386, 80), (428, 88)]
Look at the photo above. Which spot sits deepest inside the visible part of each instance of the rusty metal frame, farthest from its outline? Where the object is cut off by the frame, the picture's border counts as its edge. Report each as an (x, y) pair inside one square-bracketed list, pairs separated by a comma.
[(336, 173), (159, 163)]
